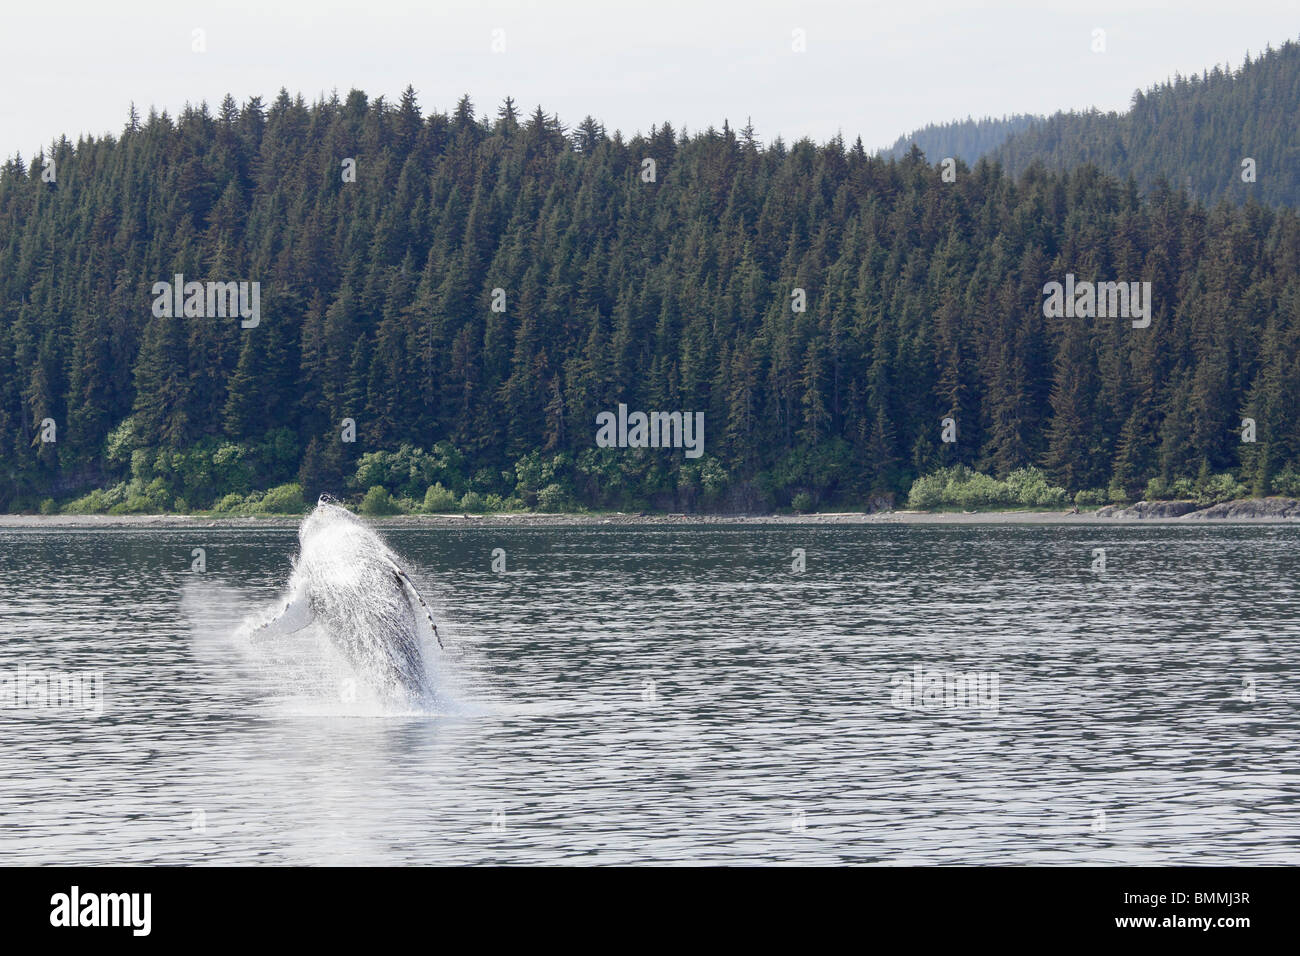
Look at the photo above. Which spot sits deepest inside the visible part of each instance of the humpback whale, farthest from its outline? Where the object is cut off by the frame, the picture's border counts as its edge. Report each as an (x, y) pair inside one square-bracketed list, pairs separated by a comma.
[(348, 583)]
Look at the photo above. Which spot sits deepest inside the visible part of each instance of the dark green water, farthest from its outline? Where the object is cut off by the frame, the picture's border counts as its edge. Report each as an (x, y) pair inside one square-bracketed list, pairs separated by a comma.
[(672, 695)]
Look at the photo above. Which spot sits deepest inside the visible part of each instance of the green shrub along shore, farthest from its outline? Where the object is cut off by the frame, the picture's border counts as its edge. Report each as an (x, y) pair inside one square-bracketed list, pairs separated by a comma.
[(960, 487), (229, 479)]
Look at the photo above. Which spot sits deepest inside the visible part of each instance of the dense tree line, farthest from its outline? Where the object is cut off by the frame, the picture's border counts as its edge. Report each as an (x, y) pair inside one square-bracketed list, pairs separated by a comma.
[(968, 140), (1192, 131), (924, 301)]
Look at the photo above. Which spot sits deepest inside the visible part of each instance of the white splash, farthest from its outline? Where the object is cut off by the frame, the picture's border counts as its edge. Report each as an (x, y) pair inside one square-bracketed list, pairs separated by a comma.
[(374, 633)]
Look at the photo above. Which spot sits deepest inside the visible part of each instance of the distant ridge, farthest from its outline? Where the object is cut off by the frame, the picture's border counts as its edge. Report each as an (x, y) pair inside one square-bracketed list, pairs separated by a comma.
[(1192, 131), (967, 139)]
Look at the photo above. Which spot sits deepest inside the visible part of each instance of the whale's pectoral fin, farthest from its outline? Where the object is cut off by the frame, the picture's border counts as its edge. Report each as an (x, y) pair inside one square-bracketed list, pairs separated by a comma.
[(417, 603), (296, 615)]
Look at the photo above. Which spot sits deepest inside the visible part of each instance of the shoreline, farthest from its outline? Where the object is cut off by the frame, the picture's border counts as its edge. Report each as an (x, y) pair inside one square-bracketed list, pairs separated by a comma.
[(624, 519)]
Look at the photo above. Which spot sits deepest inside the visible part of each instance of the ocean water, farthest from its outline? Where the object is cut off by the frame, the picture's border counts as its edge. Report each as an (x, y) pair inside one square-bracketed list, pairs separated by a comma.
[(670, 695)]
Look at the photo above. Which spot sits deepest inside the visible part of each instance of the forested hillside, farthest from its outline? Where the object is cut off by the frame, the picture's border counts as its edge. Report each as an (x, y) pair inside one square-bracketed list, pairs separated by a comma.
[(1192, 131), (968, 140), (924, 301)]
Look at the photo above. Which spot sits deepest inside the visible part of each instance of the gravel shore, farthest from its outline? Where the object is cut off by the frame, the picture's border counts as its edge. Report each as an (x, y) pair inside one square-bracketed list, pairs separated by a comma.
[(1241, 513)]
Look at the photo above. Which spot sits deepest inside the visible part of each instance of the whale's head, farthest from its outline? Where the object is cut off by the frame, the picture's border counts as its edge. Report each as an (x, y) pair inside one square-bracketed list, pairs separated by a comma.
[(327, 514)]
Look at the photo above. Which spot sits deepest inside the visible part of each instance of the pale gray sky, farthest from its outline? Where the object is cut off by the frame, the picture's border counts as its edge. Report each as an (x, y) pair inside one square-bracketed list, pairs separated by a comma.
[(875, 69)]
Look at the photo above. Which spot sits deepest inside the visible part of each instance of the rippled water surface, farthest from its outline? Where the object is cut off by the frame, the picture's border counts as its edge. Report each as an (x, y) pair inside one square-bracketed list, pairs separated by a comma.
[(673, 695)]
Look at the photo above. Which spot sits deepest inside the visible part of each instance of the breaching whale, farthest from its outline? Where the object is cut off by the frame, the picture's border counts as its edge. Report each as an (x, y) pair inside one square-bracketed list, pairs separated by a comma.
[(352, 586)]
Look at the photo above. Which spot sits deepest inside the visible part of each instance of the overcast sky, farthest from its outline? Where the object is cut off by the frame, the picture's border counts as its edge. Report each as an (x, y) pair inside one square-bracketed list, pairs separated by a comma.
[(874, 69)]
